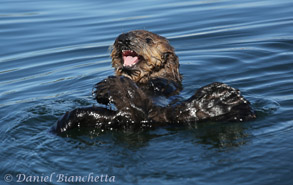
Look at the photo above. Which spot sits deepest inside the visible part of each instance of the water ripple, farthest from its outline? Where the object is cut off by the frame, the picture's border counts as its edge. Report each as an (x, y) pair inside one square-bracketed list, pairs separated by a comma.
[(53, 52)]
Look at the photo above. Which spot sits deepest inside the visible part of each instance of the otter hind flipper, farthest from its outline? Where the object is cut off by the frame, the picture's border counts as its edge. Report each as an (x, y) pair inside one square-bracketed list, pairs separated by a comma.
[(219, 102)]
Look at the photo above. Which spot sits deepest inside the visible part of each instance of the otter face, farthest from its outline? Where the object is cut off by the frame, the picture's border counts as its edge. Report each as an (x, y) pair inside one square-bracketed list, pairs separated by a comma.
[(141, 55)]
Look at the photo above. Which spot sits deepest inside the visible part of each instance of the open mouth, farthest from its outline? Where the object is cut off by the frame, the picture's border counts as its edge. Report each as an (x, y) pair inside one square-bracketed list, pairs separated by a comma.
[(130, 58)]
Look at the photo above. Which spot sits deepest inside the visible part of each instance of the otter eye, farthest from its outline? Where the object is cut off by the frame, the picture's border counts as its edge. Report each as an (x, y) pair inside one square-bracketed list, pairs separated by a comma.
[(149, 41)]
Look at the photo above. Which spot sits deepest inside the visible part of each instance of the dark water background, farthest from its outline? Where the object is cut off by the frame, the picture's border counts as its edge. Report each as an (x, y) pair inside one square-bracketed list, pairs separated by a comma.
[(53, 52)]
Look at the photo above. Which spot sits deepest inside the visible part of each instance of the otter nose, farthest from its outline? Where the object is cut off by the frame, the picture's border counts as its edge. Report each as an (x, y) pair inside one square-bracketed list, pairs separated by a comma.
[(125, 38)]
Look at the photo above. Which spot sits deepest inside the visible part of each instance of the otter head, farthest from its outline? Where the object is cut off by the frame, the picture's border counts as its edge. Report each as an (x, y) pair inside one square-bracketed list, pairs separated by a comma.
[(141, 55)]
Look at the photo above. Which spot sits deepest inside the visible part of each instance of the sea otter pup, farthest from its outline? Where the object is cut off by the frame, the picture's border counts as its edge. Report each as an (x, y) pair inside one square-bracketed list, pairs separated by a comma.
[(146, 69)]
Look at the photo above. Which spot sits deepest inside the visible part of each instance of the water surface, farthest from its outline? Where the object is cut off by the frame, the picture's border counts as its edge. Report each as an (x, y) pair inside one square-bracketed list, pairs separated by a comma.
[(53, 52)]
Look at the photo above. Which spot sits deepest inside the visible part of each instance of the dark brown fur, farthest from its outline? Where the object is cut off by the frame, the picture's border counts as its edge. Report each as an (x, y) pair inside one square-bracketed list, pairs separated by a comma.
[(158, 58), (135, 87)]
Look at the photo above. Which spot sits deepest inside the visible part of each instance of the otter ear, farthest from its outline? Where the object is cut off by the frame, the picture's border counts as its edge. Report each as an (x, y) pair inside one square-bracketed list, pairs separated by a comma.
[(165, 55), (172, 65), (170, 57)]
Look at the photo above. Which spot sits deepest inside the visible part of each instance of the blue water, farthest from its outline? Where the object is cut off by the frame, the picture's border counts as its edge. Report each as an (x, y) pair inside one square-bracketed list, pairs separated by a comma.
[(53, 52)]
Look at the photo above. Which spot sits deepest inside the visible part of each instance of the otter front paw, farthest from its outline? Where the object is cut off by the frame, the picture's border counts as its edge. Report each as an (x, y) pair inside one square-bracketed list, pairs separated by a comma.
[(101, 90), (122, 92), (113, 90)]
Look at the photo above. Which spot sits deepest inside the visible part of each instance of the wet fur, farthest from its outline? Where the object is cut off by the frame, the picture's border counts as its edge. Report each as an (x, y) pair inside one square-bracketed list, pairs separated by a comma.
[(134, 89), (158, 57)]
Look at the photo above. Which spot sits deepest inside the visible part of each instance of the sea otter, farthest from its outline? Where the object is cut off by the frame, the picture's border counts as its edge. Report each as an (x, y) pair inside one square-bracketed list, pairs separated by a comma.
[(147, 68)]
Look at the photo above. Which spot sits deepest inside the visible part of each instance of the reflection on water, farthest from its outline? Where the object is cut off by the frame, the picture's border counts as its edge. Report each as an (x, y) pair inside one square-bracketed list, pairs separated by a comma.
[(214, 134), (222, 135), (52, 53)]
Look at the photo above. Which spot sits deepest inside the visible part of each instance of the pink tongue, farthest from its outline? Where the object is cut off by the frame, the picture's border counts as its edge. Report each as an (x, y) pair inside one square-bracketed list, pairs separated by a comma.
[(129, 60)]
